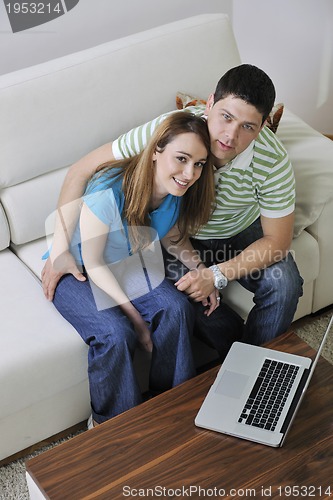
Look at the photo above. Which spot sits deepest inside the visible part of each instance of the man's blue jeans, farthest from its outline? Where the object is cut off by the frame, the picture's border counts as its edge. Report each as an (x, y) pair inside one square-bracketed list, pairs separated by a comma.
[(112, 342), (276, 292)]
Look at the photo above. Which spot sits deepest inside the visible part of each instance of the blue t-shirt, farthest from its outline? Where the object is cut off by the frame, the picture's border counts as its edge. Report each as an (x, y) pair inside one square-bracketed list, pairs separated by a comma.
[(105, 198)]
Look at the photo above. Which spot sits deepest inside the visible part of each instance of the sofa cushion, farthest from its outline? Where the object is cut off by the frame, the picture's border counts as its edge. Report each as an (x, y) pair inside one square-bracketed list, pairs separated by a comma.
[(41, 354), (31, 255), (29, 204), (311, 155)]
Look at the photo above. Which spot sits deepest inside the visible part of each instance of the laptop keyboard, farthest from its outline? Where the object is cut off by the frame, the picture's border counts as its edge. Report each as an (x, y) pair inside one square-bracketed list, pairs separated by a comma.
[(269, 394)]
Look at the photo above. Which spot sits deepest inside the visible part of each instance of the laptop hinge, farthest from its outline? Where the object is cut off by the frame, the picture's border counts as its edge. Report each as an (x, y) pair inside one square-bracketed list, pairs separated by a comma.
[(295, 401)]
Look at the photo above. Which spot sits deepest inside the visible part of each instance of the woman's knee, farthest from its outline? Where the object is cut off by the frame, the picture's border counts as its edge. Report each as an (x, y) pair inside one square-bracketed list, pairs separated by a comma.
[(177, 303), (71, 293)]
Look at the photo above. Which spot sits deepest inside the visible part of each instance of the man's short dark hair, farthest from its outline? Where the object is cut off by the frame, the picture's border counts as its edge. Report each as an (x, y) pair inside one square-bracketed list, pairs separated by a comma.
[(249, 83)]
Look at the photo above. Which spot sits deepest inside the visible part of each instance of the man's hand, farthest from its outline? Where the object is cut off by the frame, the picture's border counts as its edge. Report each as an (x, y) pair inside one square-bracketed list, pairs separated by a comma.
[(51, 274), (198, 284)]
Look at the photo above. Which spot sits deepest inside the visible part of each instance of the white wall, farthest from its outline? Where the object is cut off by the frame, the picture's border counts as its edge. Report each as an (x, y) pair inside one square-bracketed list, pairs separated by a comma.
[(92, 22), (292, 40)]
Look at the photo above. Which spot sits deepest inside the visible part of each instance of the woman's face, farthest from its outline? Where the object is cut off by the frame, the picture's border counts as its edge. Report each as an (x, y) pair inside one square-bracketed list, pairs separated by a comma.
[(179, 166)]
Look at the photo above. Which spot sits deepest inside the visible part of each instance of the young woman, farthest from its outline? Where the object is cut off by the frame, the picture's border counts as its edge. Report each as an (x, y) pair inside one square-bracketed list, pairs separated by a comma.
[(128, 207)]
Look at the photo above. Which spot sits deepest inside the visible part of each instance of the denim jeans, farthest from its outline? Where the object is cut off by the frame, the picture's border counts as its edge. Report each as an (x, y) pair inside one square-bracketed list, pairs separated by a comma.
[(276, 292), (112, 342)]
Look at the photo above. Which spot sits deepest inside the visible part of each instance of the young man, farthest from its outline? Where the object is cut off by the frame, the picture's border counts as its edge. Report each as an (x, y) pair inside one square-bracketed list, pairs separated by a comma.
[(250, 230)]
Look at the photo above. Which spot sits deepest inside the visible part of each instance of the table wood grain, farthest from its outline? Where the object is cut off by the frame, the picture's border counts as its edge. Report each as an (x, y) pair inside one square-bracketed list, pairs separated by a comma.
[(157, 445)]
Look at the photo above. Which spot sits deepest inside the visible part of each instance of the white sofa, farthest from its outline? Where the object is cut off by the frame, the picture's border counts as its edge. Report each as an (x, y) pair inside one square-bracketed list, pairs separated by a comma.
[(54, 113)]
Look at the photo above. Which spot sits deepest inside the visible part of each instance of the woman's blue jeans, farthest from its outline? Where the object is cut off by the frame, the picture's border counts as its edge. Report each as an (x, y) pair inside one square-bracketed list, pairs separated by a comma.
[(276, 292), (112, 342)]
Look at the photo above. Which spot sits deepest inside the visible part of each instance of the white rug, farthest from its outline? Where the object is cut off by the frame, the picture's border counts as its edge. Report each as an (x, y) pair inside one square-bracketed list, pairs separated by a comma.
[(12, 476)]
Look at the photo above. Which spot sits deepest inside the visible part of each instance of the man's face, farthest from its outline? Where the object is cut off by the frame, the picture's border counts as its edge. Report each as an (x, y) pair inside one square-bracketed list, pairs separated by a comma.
[(233, 125)]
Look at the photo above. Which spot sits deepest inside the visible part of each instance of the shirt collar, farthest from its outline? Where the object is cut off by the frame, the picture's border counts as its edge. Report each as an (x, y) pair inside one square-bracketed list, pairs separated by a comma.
[(241, 161)]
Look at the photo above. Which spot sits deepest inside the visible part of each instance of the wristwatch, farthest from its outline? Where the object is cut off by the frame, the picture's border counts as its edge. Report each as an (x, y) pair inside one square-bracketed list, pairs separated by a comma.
[(220, 281)]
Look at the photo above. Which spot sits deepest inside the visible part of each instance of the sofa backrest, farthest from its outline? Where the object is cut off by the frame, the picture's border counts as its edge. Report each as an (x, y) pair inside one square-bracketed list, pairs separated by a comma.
[(54, 113)]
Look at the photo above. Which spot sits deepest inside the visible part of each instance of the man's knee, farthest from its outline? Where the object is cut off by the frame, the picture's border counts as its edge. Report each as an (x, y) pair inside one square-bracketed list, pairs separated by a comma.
[(285, 276), (281, 280)]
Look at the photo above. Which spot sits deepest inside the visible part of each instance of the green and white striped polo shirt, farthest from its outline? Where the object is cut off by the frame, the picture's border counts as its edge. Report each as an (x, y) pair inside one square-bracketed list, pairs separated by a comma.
[(259, 181)]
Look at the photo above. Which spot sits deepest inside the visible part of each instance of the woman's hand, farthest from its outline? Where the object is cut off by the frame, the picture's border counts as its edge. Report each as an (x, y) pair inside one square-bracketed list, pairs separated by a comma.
[(52, 273), (143, 333), (140, 326), (212, 302)]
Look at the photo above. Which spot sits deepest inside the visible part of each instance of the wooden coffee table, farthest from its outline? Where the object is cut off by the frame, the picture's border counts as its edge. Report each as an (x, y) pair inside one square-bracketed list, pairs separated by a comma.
[(155, 451)]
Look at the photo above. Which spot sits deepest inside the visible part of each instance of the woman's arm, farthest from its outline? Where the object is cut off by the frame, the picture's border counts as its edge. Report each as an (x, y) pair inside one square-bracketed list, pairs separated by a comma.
[(61, 261), (94, 234)]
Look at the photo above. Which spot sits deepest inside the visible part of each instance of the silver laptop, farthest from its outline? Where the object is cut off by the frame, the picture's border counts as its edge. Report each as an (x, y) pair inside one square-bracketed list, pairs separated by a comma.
[(257, 393)]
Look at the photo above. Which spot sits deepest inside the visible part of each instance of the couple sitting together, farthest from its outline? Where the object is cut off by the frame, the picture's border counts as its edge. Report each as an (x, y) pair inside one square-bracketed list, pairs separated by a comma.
[(215, 187)]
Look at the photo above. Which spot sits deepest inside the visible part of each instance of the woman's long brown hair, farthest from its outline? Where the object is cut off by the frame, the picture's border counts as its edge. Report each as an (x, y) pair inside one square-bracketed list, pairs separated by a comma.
[(138, 179)]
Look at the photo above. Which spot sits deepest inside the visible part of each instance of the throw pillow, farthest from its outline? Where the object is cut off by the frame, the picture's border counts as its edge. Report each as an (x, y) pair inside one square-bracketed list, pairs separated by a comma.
[(272, 122), (274, 117), (186, 100)]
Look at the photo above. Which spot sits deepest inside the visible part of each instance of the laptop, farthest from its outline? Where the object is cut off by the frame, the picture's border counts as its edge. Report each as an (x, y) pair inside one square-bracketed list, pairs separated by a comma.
[(257, 393)]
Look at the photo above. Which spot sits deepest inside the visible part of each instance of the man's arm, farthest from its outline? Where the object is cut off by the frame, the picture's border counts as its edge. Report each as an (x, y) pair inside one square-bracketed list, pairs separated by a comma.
[(79, 173), (271, 248), (61, 261)]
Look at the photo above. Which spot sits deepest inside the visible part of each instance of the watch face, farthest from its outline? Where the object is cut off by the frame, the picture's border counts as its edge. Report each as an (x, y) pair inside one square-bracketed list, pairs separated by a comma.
[(220, 281)]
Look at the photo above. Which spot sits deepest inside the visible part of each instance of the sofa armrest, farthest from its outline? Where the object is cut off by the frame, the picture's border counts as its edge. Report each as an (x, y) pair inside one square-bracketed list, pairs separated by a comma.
[(311, 155)]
